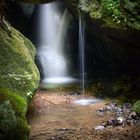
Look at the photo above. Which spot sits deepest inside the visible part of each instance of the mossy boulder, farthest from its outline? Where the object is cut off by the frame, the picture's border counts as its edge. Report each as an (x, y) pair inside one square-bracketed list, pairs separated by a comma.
[(111, 13), (19, 80), (17, 68), (12, 116), (136, 107)]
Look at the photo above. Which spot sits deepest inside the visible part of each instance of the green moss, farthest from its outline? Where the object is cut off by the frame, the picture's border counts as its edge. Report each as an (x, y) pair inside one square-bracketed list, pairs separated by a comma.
[(19, 80), (19, 104), (112, 8), (13, 121), (136, 107), (114, 13), (8, 121), (16, 63)]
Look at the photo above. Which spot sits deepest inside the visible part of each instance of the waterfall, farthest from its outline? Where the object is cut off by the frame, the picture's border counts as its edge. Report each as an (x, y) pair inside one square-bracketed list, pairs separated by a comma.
[(82, 50), (83, 100), (53, 24)]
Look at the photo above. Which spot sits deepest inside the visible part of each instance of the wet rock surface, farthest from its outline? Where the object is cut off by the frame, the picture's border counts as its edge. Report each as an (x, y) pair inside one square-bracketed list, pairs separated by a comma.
[(62, 120)]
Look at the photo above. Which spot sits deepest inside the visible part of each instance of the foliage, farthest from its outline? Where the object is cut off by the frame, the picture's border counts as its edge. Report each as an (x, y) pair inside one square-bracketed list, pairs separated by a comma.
[(131, 11), (114, 13), (112, 8), (136, 107), (124, 12)]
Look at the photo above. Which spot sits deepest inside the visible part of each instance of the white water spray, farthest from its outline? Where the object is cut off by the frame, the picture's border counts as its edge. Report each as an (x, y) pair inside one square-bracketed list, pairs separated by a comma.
[(83, 100), (52, 32), (82, 50)]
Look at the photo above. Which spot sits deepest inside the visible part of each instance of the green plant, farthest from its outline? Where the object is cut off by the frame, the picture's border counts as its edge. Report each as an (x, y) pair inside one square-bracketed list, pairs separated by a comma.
[(136, 107), (112, 8)]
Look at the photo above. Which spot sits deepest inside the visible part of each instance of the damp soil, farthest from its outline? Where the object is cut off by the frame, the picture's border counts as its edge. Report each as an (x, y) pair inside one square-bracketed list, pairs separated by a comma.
[(53, 116)]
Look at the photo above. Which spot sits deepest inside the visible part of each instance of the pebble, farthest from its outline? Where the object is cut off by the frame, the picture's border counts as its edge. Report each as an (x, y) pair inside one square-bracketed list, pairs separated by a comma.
[(100, 114), (119, 113), (42, 133), (120, 120), (110, 126), (63, 129), (100, 127)]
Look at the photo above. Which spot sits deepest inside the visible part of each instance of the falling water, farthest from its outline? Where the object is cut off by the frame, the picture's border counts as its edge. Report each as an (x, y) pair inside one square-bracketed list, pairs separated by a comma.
[(82, 50), (84, 100), (52, 31)]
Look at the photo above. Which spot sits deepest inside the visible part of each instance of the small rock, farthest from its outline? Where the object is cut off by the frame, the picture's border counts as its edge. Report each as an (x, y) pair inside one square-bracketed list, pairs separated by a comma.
[(100, 114), (127, 105), (120, 120), (133, 115), (110, 126), (109, 108), (112, 121), (119, 109), (100, 127), (113, 105), (119, 113), (104, 123), (100, 110)]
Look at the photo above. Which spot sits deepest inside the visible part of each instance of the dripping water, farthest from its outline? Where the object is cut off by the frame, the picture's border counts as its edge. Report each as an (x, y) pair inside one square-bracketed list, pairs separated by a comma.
[(84, 100), (82, 51)]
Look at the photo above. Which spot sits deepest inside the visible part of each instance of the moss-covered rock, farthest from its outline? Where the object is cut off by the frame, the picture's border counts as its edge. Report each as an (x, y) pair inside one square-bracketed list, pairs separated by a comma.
[(12, 116), (17, 69), (7, 120), (136, 107), (19, 80), (112, 13)]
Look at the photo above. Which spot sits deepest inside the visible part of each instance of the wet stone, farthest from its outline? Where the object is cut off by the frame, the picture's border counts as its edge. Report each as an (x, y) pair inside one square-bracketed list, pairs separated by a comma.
[(110, 126), (124, 115), (64, 129), (100, 114), (100, 127)]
